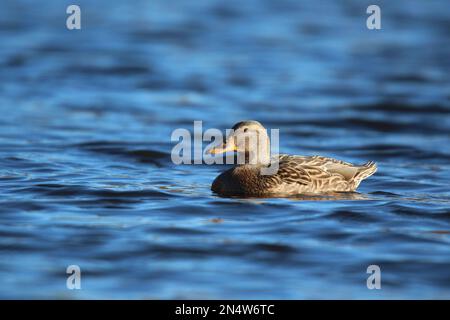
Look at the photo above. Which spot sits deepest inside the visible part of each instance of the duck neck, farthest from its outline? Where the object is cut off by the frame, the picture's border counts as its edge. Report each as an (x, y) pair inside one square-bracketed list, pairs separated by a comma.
[(257, 156)]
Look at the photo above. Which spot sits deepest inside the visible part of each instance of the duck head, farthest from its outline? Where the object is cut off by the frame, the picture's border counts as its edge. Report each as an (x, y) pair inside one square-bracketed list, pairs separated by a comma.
[(249, 140)]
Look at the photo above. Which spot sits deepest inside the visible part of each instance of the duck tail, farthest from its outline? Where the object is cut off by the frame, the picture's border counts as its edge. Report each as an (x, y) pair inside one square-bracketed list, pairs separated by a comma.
[(364, 171)]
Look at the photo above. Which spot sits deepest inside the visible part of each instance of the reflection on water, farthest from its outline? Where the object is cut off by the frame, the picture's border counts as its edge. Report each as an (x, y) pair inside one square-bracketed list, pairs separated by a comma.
[(86, 176), (331, 196)]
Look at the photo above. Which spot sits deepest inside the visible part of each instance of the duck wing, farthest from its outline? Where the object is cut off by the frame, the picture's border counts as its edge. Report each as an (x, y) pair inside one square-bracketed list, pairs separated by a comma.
[(308, 170), (301, 170), (349, 171)]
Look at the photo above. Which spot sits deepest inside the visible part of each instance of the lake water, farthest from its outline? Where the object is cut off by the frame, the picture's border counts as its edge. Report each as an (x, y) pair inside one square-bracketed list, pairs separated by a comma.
[(86, 176)]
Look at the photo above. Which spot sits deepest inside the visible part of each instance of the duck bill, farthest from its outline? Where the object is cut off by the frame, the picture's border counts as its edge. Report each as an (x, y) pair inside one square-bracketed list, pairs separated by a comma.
[(223, 148)]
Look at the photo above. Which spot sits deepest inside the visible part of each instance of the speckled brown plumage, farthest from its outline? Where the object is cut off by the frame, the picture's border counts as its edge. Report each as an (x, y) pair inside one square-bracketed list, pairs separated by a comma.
[(295, 174)]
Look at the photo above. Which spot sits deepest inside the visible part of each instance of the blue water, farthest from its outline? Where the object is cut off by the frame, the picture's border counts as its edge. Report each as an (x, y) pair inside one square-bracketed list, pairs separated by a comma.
[(86, 176)]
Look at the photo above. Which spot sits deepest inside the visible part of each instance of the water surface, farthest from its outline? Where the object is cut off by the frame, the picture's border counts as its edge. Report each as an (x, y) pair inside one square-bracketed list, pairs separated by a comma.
[(86, 176)]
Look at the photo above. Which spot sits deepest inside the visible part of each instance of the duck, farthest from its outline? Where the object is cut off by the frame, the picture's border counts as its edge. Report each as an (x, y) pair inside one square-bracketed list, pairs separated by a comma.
[(257, 173)]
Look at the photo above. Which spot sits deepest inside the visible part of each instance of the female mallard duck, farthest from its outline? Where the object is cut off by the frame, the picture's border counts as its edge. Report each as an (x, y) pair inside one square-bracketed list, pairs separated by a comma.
[(292, 175)]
